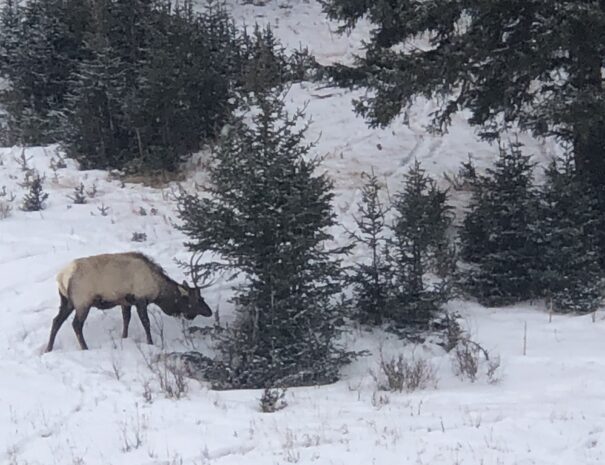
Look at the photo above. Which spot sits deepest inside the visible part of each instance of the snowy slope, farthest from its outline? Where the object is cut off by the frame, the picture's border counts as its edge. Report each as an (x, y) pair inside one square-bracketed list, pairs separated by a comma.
[(106, 406)]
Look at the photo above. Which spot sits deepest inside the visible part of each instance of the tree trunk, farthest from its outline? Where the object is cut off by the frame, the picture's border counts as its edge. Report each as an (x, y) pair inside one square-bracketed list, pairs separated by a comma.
[(589, 129), (589, 155)]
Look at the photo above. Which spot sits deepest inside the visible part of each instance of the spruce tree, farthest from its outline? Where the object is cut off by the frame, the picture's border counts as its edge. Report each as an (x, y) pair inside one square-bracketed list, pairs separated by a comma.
[(10, 34), (537, 63), (182, 83), (569, 273), (160, 90), (267, 215), (35, 198), (156, 81), (371, 278), (41, 48), (419, 232), (220, 60), (496, 234), (265, 60), (94, 130)]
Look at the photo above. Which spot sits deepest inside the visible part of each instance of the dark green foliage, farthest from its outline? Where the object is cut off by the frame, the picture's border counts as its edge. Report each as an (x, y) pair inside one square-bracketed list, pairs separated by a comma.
[(94, 130), (156, 84), (40, 47), (569, 273), (34, 200), (266, 65), (265, 60), (537, 63), (599, 197), (79, 196), (419, 234), (137, 85), (10, 20), (302, 66), (371, 279), (273, 400), (222, 60), (406, 277), (496, 235), (267, 216)]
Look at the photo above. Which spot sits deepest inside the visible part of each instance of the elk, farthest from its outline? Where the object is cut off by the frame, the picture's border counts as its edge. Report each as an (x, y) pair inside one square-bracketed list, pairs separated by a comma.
[(125, 279)]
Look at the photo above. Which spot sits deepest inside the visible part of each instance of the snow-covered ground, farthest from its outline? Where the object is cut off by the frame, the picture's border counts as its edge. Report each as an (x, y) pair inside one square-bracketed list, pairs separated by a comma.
[(106, 406)]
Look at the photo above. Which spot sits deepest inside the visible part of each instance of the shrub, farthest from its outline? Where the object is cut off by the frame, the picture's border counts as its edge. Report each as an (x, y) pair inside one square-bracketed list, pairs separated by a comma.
[(470, 357), (273, 400), (401, 373), (5, 209)]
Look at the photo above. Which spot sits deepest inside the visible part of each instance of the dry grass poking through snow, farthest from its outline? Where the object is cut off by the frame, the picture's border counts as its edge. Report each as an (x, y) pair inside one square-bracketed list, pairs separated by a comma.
[(402, 373)]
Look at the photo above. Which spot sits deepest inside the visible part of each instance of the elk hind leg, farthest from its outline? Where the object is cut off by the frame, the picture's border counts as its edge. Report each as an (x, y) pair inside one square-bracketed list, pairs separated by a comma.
[(78, 325), (126, 320), (65, 310), (144, 317)]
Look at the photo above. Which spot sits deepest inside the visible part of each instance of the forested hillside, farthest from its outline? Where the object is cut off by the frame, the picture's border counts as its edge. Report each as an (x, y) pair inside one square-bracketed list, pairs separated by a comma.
[(394, 210)]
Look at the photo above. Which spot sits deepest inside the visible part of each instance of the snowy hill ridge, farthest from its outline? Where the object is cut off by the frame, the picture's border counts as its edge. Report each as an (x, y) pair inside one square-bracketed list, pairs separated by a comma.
[(109, 405)]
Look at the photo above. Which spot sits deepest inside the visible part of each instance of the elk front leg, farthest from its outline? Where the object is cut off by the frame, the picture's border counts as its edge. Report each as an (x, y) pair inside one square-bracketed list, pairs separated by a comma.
[(64, 311), (126, 320), (78, 325), (144, 317)]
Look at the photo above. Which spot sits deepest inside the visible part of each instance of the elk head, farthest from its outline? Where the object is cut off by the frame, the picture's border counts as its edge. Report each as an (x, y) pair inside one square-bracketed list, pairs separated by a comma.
[(192, 303)]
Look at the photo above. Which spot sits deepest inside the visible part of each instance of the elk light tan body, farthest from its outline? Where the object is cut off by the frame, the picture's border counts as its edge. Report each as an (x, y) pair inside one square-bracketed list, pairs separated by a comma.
[(125, 279), (115, 276)]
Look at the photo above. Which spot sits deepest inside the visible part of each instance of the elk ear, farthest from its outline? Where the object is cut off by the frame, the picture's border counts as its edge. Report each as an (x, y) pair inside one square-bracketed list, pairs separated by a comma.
[(183, 290)]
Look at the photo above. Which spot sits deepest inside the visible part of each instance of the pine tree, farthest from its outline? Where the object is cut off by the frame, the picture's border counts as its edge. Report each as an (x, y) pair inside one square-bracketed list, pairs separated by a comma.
[(267, 215), (569, 272), (537, 63), (265, 63), (156, 81), (35, 198), (371, 279), (497, 234), (221, 60), (419, 232), (41, 48), (158, 108), (10, 34), (94, 130), (179, 84)]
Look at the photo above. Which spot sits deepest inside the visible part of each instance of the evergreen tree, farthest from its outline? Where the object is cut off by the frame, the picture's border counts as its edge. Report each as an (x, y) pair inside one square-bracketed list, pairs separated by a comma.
[(220, 62), (157, 80), (161, 90), (497, 234), (40, 49), (419, 232), (129, 84), (10, 34), (268, 215), (265, 60), (537, 63), (371, 279), (126, 26), (180, 83), (35, 198), (94, 130), (569, 272)]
